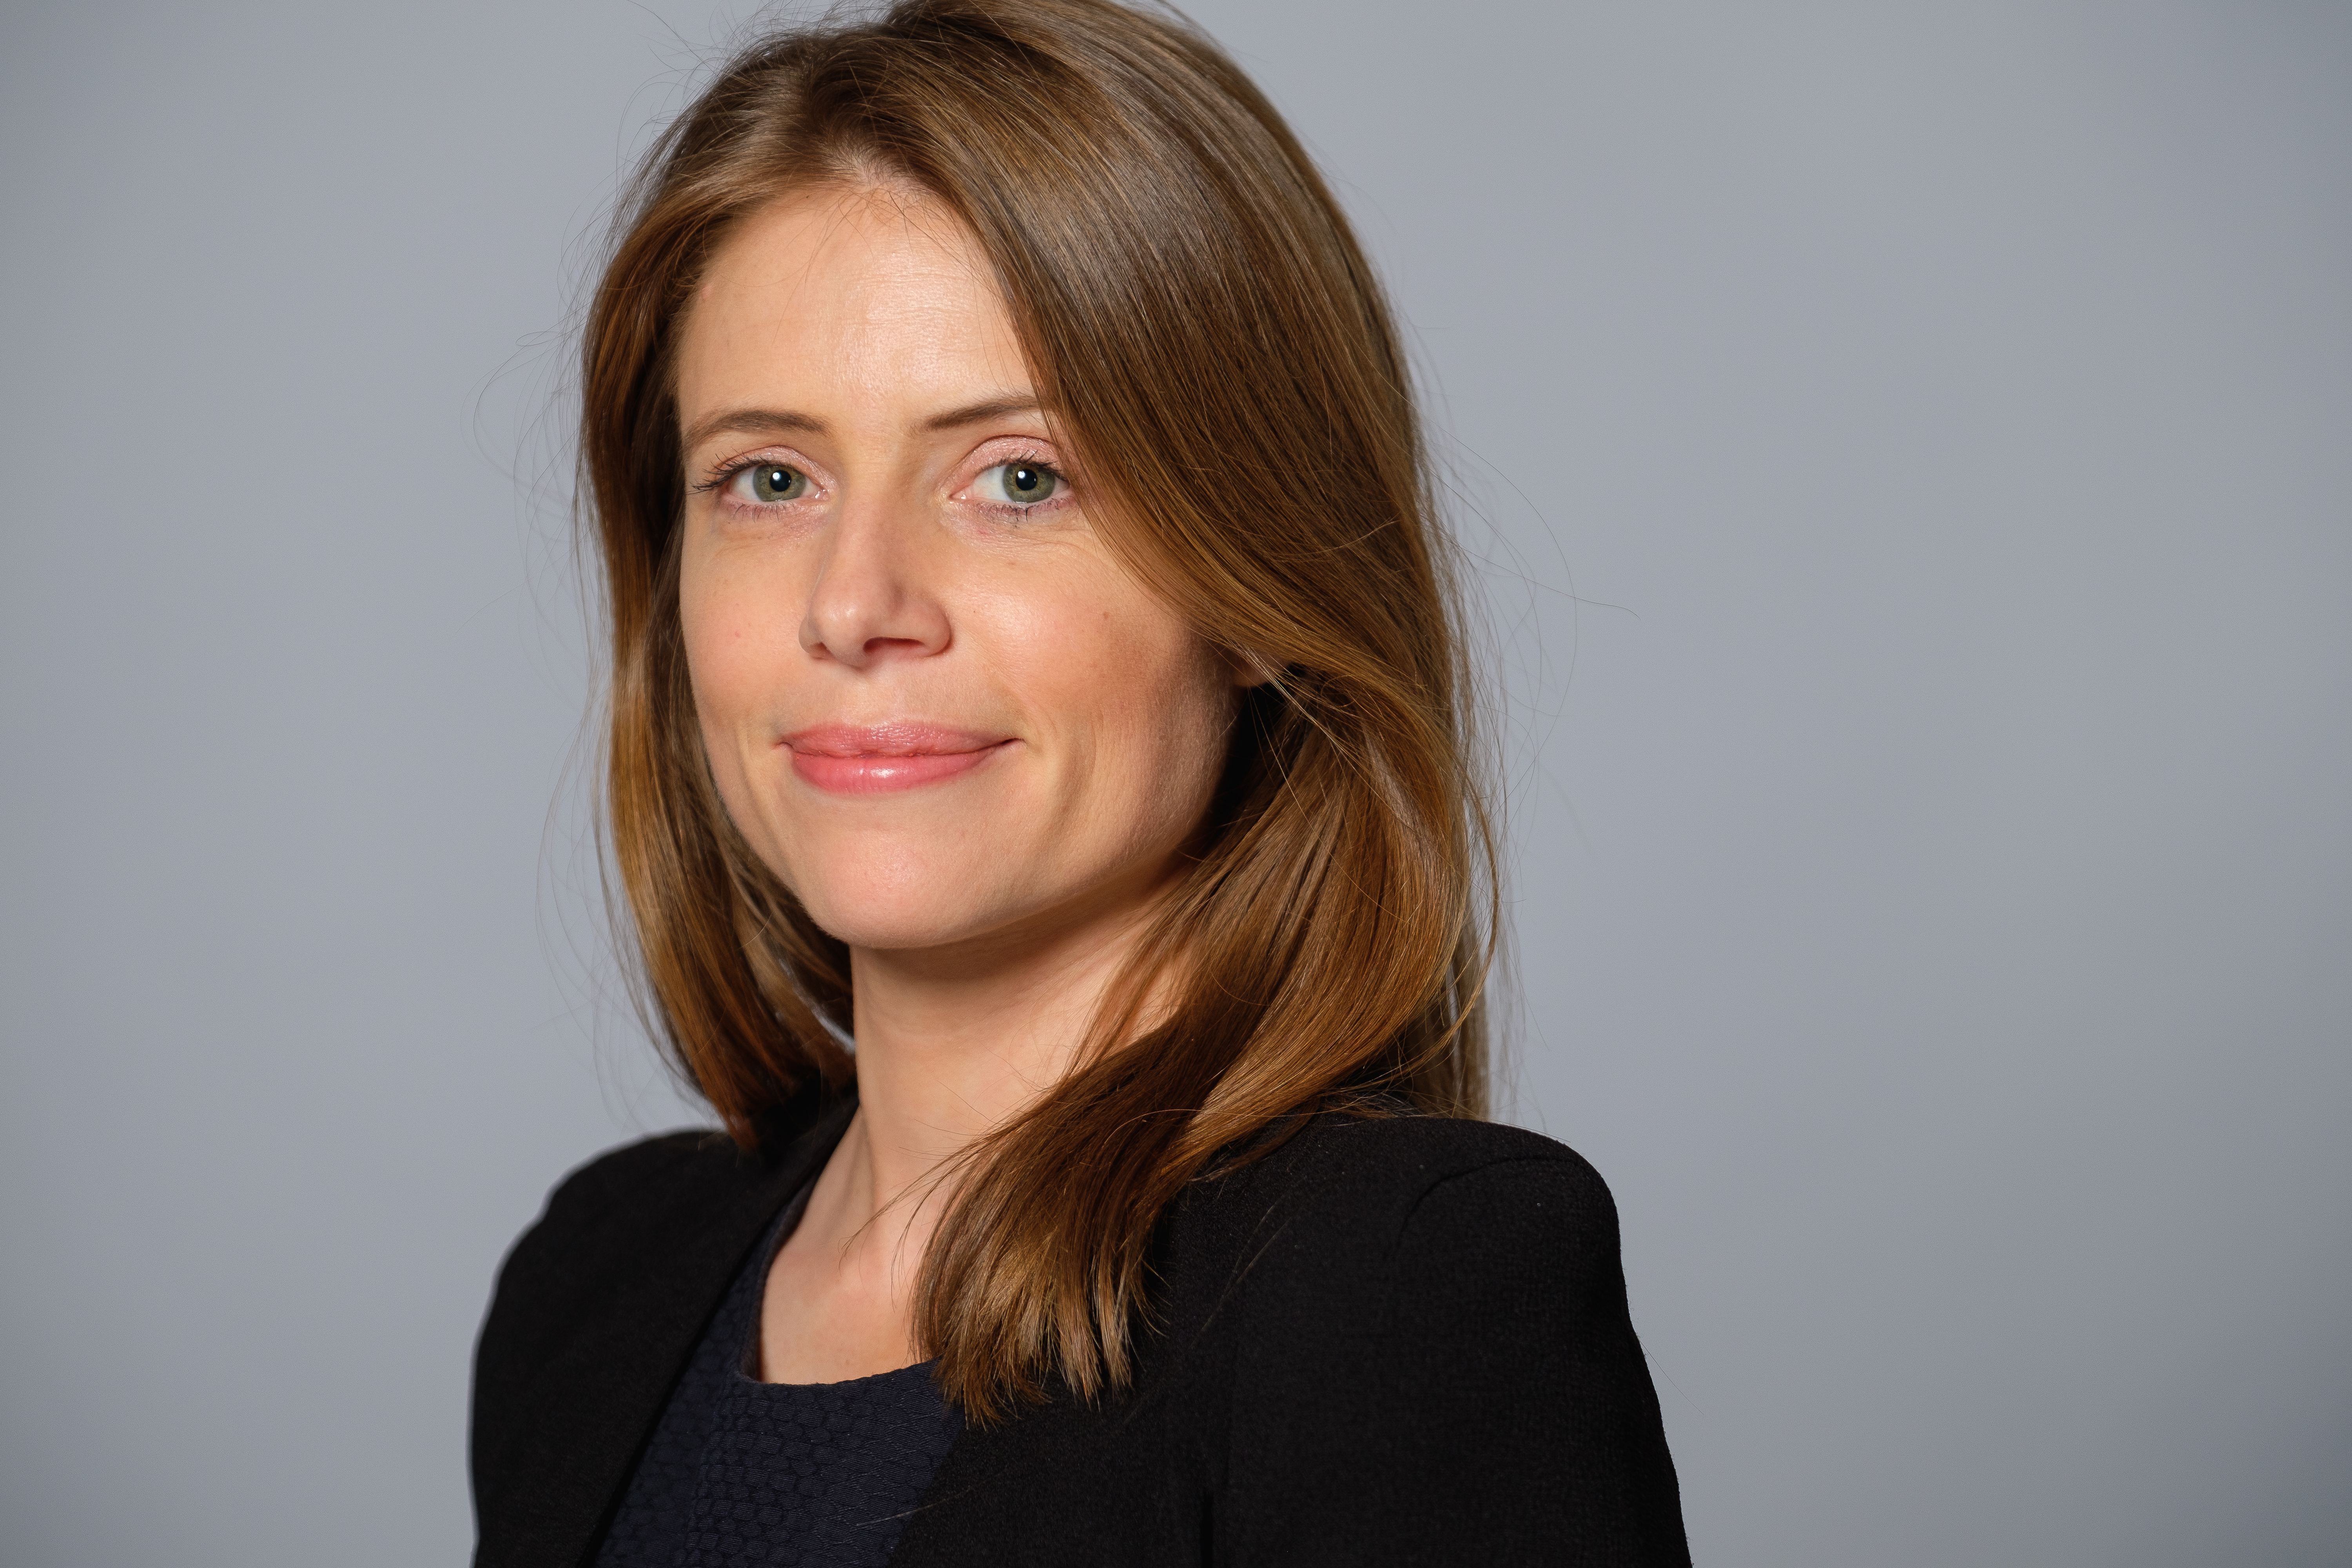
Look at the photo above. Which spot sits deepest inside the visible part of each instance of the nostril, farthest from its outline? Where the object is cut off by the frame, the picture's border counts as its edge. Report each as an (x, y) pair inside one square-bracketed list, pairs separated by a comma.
[(876, 649)]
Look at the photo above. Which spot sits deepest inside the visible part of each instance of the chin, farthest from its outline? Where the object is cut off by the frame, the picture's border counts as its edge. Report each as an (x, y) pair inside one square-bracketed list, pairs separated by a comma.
[(910, 930), (900, 906)]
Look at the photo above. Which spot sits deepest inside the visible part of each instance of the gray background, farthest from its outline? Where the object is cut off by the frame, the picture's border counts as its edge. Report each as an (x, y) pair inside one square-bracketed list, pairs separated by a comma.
[(1911, 451)]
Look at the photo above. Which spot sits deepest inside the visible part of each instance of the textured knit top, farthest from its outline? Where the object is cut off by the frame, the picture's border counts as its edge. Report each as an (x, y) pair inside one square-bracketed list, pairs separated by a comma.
[(741, 1472)]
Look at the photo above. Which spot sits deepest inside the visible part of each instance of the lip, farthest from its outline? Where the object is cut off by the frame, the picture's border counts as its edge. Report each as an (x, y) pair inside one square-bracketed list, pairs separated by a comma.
[(847, 759)]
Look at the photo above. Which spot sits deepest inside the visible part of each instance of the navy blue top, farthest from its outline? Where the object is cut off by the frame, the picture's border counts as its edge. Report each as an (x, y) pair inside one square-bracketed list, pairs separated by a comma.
[(741, 1472)]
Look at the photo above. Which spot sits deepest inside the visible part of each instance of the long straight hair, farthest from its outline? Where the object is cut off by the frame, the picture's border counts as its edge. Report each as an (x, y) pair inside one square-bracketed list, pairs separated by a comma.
[(1199, 317)]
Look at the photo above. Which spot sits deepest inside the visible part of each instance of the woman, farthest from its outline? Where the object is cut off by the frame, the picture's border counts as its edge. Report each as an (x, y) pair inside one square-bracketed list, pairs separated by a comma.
[(1034, 662)]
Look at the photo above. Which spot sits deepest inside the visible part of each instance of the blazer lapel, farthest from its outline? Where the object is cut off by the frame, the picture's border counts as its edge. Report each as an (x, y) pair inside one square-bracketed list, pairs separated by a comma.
[(598, 1398)]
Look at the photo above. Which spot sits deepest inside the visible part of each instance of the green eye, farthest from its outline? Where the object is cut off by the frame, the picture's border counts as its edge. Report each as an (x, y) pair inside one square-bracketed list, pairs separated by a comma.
[(1020, 484), (768, 483)]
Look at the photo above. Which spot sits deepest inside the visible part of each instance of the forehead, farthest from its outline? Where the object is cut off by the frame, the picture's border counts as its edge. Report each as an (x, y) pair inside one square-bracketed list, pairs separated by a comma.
[(860, 297)]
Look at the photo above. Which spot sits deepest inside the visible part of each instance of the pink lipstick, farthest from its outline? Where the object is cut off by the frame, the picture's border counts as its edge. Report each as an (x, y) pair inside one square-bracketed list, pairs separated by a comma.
[(845, 759)]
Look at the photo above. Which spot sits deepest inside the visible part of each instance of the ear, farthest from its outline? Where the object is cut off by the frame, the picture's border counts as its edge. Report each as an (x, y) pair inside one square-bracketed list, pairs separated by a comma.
[(1251, 668)]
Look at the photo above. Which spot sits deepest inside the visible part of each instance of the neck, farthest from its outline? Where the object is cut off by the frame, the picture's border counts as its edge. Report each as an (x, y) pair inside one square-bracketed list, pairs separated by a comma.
[(953, 1043)]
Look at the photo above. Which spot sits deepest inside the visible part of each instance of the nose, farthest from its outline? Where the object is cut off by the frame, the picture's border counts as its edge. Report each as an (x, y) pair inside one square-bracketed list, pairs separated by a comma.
[(872, 601)]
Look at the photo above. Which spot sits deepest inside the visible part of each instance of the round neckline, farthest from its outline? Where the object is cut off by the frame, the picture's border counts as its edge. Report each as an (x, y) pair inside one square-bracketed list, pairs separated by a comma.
[(748, 1350)]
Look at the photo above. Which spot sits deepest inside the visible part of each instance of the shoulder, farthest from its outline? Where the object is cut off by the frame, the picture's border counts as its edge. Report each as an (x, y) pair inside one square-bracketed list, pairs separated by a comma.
[(1431, 1357), (1350, 1217), (628, 1202), (625, 1194), (1399, 1156), (1382, 1180), (640, 1183), (599, 1223), (606, 1221), (604, 1294)]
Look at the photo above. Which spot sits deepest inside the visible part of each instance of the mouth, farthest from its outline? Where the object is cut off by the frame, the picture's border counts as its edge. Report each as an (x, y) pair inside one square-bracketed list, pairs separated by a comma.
[(842, 759)]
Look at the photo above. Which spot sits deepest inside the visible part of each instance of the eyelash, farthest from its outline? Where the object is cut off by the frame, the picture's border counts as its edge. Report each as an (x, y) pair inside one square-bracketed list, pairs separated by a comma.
[(719, 478)]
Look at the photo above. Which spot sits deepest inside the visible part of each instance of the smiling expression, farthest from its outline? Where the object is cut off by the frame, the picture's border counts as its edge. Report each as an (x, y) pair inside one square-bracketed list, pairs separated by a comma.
[(934, 701)]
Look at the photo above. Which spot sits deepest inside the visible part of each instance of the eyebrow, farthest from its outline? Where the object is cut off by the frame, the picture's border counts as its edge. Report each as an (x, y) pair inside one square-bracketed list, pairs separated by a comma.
[(786, 422), (979, 413), (751, 422)]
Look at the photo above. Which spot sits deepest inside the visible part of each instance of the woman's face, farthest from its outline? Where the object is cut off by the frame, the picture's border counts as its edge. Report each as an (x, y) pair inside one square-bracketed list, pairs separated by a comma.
[(934, 703)]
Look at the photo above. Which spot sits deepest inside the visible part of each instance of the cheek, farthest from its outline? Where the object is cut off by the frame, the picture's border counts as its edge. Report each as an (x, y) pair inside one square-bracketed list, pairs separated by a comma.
[(1161, 709), (726, 624), (738, 647)]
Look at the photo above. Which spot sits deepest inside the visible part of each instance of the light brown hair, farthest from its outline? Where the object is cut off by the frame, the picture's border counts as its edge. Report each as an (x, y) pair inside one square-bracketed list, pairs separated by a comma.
[(1200, 320)]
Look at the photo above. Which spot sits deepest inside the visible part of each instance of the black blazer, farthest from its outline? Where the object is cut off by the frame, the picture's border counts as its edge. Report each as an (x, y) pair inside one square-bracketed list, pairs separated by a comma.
[(1389, 1341)]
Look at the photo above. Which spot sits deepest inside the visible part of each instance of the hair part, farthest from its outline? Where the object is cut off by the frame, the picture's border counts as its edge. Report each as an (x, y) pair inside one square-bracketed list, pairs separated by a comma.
[(1200, 321)]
